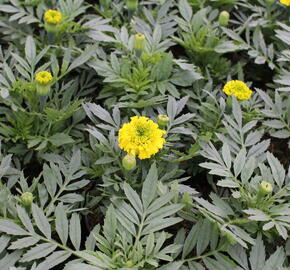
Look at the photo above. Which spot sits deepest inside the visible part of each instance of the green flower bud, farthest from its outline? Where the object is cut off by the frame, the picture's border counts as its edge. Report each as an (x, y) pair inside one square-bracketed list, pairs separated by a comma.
[(132, 4), (270, 1), (229, 237), (224, 18), (265, 188), (129, 263), (139, 43), (186, 199), (129, 162), (162, 120), (27, 198)]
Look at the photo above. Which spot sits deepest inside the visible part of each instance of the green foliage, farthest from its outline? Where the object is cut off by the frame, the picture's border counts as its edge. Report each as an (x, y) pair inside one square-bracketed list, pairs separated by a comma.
[(215, 195)]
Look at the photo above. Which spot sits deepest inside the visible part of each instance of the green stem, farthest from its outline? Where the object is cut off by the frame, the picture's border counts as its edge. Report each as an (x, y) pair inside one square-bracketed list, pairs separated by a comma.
[(203, 256)]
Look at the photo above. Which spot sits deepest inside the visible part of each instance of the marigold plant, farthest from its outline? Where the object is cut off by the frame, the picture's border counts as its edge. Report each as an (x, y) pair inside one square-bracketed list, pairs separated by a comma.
[(141, 136)]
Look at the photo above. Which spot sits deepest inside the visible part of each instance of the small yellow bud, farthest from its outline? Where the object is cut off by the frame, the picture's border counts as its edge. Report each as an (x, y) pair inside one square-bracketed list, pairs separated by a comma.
[(43, 80), (27, 198), (52, 16), (51, 19), (224, 18), (265, 188), (162, 120), (129, 162), (139, 43)]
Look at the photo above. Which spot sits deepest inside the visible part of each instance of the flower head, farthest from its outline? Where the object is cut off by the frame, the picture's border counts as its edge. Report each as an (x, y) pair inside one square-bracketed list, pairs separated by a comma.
[(52, 16), (238, 89), (285, 2), (141, 136), (43, 77)]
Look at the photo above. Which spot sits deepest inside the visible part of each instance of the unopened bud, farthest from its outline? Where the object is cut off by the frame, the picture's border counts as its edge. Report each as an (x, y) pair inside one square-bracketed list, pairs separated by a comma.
[(129, 162), (27, 198), (162, 120), (132, 4), (43, 82), (186, 199), (139, 43), (129, 263), (224, 18), (265, 188)]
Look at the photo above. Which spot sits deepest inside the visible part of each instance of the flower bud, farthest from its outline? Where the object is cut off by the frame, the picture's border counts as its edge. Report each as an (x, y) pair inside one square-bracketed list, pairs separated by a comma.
[(51, 20), (270, 1), (162, 120), (224, 18), (27, 198), (43, 80), (129, 263), (186, 199), (139, 43), (129, 162), (229, 237), (265, 188), (132, 4)]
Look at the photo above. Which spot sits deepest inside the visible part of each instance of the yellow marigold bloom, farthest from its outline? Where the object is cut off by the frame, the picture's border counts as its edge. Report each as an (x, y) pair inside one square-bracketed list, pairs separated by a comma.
[(238, 89), (285, 2), (141, 136), (43, 77), (52, 16)]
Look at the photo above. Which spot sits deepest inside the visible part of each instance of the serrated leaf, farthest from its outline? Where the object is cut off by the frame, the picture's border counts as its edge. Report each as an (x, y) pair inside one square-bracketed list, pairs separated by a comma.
[(24, 242), (277, 169), (25, 219), (41, 221), (54, 259), (160, 224), (30, 49), (75, 231), (134, 199), (9, 227), (37, 252), (239, 162), (150, 186), (61, 223)]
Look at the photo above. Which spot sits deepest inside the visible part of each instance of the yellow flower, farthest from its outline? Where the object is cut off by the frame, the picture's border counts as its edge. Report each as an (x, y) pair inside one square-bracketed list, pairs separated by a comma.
[(43, 77), (238, 89), (285, 2), (141, 136), (52, 16)]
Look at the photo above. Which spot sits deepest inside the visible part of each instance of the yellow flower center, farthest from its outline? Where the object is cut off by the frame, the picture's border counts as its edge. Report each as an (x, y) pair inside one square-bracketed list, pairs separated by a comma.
[(141, 137), (238, 89), (43, 77), (52, 16)]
